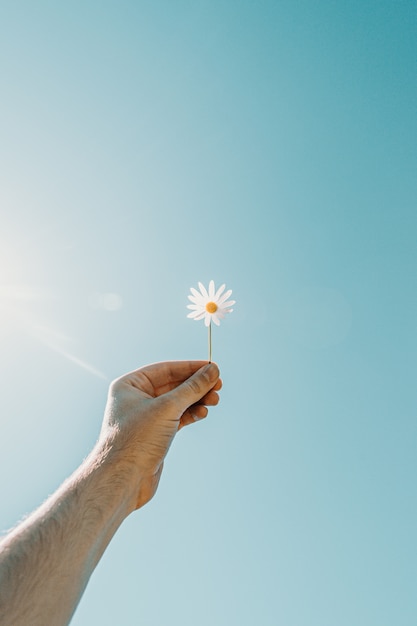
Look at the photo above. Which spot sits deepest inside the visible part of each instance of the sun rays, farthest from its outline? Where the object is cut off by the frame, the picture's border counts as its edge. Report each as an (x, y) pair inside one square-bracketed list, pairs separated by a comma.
[(16, 311)]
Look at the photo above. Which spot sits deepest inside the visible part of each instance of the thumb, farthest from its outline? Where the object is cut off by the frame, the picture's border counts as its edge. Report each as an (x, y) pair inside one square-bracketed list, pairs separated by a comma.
[(196, 387)]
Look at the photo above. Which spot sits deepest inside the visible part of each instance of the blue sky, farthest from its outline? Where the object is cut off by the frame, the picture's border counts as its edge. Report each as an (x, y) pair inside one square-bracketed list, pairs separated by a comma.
[(146, 146)]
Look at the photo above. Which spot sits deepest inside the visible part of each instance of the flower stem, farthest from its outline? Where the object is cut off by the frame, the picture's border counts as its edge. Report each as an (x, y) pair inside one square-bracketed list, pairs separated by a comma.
[(209, 342)]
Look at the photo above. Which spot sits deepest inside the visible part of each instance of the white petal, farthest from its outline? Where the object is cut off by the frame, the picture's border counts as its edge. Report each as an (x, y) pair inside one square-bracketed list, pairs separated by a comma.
[(200, 316), (198, 298), (195, 293), (225, 296), (211, 290), (216, 319), (219, 292), (203, 290), (207, 319), (193, 314), (225, 305), (195, 307)]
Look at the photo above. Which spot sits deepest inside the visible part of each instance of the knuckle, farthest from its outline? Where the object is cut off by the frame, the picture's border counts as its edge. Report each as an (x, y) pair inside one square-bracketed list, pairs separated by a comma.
[(194, 386)]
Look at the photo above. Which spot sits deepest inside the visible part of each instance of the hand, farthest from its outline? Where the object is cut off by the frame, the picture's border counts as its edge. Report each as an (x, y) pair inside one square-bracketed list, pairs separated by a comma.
[(145, 410)]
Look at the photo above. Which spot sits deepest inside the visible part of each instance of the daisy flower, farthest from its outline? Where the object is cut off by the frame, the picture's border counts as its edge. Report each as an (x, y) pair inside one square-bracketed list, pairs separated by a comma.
[(210, 305)]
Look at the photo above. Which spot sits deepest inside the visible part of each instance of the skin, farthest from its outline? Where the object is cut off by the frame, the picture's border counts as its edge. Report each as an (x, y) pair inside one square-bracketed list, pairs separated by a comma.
[(47, 560)]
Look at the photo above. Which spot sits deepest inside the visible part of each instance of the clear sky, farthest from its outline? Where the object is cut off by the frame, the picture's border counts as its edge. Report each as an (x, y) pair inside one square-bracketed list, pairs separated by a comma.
[(271, 145)]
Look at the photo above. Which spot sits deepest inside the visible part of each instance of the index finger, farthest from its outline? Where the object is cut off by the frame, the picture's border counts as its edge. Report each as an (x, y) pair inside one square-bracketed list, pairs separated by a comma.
[(166, 375)]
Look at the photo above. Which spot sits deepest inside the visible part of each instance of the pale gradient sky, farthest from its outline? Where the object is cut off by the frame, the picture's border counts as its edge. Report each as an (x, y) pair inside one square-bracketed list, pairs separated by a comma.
[(145, 146)]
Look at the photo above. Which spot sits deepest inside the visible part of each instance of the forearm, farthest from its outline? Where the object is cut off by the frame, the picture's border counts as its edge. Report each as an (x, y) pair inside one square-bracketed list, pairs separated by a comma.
[(46, 562)]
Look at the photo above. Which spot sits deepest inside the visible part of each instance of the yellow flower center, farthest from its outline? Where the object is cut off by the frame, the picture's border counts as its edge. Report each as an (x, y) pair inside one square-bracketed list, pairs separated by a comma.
[(211, 307)]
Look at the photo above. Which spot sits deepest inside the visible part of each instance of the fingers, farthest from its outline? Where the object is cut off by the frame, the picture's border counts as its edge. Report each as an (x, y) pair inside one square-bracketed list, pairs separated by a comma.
[(167, 375), (160, 378), (196, 386), (218, 385), (199, 411), (191, 385), (210, 399), (194, 414)]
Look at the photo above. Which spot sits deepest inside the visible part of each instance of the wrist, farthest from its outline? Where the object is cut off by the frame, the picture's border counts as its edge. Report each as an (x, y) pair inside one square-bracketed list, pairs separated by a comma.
[(125, 479)]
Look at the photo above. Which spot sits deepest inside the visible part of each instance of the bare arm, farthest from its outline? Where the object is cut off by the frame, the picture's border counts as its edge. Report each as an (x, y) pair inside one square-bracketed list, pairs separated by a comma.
[(46, 562)]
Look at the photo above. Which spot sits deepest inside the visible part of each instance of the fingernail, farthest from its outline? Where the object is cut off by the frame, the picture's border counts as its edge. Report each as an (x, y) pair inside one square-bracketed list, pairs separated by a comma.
[(212, 371)]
